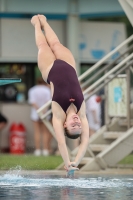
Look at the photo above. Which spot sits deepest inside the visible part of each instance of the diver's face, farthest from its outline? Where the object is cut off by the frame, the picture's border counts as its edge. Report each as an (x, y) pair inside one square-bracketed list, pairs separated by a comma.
[(73, 124)]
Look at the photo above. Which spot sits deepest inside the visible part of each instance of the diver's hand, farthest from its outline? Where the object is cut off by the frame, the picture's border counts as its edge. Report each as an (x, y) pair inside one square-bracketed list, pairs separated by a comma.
[(70, 167), (70, 170), (73, 164)]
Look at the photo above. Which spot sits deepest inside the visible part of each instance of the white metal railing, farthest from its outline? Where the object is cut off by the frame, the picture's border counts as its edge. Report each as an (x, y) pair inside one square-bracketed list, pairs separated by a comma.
[(123, 68), (127, 6), (40, 111), (130, 2), (43, 115), (108, 73), (106, 67)]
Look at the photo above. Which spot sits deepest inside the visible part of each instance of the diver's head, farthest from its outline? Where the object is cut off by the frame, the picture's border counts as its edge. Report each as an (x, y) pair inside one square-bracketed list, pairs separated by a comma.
[(72, 126)]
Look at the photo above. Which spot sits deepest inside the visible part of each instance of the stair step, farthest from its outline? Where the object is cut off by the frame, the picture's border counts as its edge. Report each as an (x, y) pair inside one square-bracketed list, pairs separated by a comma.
[(98, 147), (84, 160), (123, 122), (112, 135)]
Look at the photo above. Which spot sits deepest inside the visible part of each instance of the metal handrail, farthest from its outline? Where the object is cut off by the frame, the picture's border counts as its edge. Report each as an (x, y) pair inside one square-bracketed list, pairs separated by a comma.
[(93, 77), (108, 73), (94, 67), (40, 110), (130, 3), (87, 96)]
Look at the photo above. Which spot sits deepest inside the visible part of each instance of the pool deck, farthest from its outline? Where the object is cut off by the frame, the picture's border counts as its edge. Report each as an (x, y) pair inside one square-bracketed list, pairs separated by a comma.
[(62, 172)]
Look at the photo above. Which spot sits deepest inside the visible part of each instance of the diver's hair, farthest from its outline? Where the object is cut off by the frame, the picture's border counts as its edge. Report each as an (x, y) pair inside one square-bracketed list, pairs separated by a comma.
[(69, 135)]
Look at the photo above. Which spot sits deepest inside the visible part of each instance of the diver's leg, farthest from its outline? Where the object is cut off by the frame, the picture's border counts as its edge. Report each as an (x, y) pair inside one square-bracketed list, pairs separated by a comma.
[(58, 49), (45, 55)]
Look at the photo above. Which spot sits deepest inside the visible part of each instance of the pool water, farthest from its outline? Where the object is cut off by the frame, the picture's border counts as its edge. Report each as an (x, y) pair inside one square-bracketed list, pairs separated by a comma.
[(58, 187)]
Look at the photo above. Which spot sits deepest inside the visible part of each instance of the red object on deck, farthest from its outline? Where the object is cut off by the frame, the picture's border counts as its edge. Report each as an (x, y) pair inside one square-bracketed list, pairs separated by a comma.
[(17, 138)]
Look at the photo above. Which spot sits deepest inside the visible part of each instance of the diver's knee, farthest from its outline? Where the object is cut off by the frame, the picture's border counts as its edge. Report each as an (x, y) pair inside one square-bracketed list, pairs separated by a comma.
[(54, 45), (42, 45)]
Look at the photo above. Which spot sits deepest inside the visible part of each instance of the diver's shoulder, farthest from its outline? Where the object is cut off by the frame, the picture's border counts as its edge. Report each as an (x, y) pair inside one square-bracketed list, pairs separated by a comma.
[(57, 111), (82, 111)]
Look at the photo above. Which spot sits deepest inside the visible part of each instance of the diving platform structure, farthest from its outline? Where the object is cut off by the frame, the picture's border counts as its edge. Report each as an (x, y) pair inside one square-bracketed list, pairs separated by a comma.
[(5, 81), (127, 6)]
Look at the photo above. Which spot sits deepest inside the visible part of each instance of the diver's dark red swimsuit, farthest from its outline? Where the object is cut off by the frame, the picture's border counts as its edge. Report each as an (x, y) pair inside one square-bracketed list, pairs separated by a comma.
[(66, 85)]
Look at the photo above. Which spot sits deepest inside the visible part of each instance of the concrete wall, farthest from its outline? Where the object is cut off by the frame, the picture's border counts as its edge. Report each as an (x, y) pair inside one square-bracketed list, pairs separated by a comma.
[(18, 113), (17, 42), (32, 6)]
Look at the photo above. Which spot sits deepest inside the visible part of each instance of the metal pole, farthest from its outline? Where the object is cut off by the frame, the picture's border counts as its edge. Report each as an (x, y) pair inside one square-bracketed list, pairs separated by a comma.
[(106, 116), (128, 99), (2, 5), (72, 31), (127, 7), (72, 34)]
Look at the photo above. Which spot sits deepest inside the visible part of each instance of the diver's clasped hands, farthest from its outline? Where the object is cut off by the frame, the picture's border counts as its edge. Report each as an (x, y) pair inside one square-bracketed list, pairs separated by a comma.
[(70, 169), (71, 166)]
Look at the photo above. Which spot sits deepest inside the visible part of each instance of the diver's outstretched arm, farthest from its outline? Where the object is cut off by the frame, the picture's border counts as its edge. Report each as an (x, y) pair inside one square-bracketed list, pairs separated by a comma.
[(84, 141), (60, 137), (59, 132)]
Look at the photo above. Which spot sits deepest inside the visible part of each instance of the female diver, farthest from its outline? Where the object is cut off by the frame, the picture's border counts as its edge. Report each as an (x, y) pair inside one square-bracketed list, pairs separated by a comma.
[(58, 69)]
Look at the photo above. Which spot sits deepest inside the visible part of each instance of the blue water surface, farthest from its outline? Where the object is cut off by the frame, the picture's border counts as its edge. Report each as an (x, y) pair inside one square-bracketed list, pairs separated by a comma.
[(58, 187)]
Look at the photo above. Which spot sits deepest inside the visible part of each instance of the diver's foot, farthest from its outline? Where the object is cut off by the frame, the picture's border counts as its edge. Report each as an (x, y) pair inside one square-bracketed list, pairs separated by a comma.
[(35, 20), (43, 20)]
